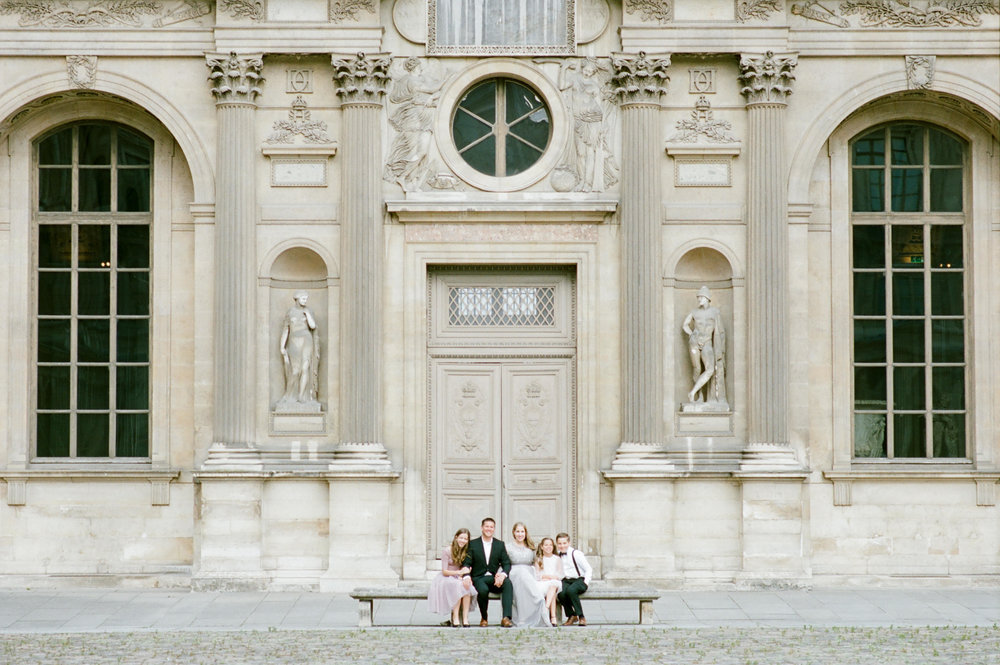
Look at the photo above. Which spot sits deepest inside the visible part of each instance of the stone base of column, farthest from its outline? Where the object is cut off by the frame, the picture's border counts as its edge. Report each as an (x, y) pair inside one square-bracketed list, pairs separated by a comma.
[(223, 458), (360, 522), (641, 457), (360, 457), (769, 457), (643, 535), (229, 534), (772, 531)]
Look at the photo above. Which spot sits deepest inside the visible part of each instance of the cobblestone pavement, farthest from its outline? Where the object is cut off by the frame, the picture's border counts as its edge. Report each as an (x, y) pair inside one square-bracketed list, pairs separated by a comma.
[(940, 645)]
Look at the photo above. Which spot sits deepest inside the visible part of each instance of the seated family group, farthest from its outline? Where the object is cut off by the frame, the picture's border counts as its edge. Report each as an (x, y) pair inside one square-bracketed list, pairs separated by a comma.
[(530, 580)]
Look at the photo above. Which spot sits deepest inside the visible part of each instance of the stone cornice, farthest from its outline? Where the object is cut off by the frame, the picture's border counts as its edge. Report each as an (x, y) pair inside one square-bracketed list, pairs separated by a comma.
[(639, 79), (361, 79), (767, 79), (235, 79)]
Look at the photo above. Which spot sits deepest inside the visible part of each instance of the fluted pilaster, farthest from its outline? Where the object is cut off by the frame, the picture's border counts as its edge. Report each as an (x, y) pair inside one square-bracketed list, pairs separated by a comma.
[(236, 84), (767, 83), (639, 81), (361, 83)]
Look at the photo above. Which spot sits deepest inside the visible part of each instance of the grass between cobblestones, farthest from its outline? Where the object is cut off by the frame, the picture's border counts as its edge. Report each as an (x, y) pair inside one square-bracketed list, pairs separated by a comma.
[(909, 645)]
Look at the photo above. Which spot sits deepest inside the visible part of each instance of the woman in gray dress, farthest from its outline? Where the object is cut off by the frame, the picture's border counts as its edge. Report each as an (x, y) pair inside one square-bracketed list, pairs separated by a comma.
[(529, 602)]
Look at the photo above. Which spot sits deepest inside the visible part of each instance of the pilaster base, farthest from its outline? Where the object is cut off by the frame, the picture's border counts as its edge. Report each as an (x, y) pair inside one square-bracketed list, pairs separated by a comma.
[(773, 531), (360, 457), (648, 457), (769, 457), (223, 458), (230, 535), (643, 524)]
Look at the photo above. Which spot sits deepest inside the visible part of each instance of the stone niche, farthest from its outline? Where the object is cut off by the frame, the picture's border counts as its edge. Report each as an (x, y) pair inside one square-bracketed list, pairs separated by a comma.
[(298, 269), (697, 268)]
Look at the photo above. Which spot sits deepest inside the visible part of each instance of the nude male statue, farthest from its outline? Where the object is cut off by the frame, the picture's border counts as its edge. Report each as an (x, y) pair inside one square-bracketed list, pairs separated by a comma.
[(707, 351)]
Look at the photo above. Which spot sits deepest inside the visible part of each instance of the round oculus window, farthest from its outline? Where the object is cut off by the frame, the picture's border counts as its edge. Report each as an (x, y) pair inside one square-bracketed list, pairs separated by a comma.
[(501, 127)]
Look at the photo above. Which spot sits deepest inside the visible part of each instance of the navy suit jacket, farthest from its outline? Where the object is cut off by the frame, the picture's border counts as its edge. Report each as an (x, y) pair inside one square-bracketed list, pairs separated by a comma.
[(476, 558)]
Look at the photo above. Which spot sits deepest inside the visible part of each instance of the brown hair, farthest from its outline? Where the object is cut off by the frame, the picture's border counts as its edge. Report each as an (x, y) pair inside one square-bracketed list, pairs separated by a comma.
[(539, 553), (562, 535), (458, 553), (527, 539)]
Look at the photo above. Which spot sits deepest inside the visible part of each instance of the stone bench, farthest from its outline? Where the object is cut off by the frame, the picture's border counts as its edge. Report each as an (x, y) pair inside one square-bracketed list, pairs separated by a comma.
[(366, 598)]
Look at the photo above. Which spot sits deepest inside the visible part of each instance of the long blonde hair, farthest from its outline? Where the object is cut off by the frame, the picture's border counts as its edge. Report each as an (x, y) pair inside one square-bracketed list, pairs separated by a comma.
[(458, 552), (527, 539)]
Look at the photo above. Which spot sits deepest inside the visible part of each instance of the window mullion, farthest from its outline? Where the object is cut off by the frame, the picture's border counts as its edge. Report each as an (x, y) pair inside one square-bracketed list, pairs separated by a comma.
[(75, 173), (500, 128)]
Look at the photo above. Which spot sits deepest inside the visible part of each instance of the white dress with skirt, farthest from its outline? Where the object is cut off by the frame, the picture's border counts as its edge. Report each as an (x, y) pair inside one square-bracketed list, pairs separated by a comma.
[(529, 601), (551, 566)]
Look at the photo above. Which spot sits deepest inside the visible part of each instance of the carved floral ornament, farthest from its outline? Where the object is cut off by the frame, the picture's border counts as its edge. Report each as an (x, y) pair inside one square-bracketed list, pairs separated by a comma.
[(703, 126), (767, 78), (638, 79), (362, 79), (660, 11), (342, 10), (235, 79), (81, 70), (755, 9), (299, 123), (251, 9), (104, 13), (899, 13)]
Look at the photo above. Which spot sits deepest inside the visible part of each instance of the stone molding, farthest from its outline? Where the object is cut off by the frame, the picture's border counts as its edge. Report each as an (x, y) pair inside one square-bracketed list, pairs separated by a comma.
[(898, 13), (767, 79), (235, 79), (102, 13), (843, 481), (342, 10), (159, 480), (638, 79), (747, 10), (361, 79)]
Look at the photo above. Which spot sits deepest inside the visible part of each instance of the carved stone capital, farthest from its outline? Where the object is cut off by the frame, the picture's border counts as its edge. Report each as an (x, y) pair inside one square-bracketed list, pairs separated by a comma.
[(235, 79), (362, 79), (638, 79), (767, 78)]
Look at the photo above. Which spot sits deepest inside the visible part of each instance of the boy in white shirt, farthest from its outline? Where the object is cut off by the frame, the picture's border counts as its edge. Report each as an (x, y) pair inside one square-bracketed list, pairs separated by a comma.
[(576, 578)]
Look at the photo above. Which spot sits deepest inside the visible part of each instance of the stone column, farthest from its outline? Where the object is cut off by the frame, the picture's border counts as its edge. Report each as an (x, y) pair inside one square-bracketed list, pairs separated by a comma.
[(236, 82), (360, 83), (639, 81), (767, 83)]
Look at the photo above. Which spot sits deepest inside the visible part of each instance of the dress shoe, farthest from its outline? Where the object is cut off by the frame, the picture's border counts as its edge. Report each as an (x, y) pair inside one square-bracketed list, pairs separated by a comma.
[(483, 623), (571, 621), (583, 622), (506, 623)]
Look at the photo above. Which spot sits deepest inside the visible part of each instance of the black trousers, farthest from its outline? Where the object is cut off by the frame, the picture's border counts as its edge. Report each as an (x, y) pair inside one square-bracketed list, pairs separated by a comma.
[(569, 597), (484, 586)]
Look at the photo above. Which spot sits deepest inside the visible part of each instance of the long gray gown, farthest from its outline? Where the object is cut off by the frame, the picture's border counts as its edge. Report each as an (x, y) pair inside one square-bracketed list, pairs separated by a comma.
[(529, 603)]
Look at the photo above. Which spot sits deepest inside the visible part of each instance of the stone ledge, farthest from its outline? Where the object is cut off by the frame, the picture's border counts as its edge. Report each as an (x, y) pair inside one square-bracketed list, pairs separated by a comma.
[(159, 480), (276, 474), (508, 210), (986, 481)]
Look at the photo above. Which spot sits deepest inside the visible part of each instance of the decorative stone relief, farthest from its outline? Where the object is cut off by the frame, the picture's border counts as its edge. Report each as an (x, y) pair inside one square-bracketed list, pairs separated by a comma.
[(299, 123), (251, 9), (707, 352), (410, 19), (299, 349), (468, 420), (103, 13), (639, 79), (702, 80), (661, 11), (341, 10), (235, 79), (298, 81), (361, 79), (81, 70), (703, 126), (900, 13), (589, 163), (592, 18), (413, 102), (920, 71), (755, 9), (767, 78), (534, 419)]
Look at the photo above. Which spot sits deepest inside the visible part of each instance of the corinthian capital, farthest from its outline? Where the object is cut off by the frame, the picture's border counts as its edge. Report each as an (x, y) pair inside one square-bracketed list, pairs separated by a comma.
[(361, 79), (235, 79), (638, 79), (767, 78)]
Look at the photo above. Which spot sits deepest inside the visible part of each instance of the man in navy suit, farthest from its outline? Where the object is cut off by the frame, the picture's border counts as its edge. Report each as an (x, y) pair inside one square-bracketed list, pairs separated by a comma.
[(490, 566)]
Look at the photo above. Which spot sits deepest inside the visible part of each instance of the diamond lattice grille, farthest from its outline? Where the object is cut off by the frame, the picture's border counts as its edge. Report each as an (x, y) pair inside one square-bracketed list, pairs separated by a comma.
[(515, 306)]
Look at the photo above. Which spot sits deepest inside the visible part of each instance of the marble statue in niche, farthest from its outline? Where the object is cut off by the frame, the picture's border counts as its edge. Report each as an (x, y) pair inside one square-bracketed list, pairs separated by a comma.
[(589, 164), (300, 357), (707, 352)]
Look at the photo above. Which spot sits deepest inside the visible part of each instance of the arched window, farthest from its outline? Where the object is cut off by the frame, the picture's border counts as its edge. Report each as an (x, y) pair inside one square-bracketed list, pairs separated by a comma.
[(92, 220), (909, 294)]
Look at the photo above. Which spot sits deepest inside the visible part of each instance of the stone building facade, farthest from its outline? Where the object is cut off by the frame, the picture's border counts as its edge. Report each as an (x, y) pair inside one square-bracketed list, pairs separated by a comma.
[(295, 288)]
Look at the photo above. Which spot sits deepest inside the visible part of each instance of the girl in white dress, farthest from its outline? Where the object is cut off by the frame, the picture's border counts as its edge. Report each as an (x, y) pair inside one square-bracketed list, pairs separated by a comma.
[(549, 571)]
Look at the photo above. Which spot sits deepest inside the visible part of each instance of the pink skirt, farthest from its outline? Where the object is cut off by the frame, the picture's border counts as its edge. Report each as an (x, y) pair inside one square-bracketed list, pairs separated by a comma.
[(445, 592)]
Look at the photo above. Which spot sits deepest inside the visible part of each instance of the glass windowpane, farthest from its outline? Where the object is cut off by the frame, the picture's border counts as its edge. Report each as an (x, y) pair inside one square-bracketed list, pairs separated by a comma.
[(92, 432), (908, 389), (907, 246), (133, 387), (908, 294), (92, 387), (946, 246), (53, 293), (869, 341), (95, 144), (53, 387), (133, 149), (94, 246), (947, 341), (519, 156), (94, 293), (133, 340), (869, 293), (946, 294), (93, 340), (909, 435), (907, 190), (482, 156), (520, 100), (132, 435), (948, 388), (869, 388), (55, 246), (53, 340), (869, 150), (55, 190), (57, 149), (946, 190), (869, 246), (466, 129), (133, 190), (133, 246), (907, 145), (908, 341), (482, 101), (945, 151), (133, 293), (869, 435), (95, 190), (868, 190), (52, 434), (949, 434)]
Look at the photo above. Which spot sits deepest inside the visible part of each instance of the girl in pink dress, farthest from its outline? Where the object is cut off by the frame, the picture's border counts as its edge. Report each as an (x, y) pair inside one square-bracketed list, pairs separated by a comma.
[(452, 590)]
